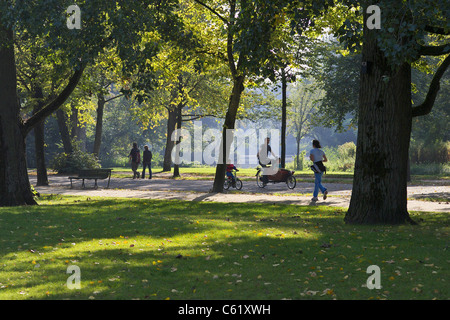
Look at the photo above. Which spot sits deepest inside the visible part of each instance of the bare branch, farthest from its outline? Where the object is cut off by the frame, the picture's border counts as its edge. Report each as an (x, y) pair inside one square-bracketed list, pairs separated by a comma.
[(195, 117), (56, 103), (434, 50), (437, 30), (115, 97), (426, 107)]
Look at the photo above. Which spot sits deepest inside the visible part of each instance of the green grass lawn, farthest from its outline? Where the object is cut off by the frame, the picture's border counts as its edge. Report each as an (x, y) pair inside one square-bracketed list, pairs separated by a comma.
[(153, 249)]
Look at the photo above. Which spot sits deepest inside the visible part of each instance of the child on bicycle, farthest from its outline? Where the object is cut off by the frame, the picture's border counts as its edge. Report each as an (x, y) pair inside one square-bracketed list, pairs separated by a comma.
[(230, 168)]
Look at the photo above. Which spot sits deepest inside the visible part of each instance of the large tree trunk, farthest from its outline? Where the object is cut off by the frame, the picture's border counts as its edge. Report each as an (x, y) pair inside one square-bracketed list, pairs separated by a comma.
[(39, 143), (230, 120), (171, 123), (14, 183), (99, 124), (379, 194)]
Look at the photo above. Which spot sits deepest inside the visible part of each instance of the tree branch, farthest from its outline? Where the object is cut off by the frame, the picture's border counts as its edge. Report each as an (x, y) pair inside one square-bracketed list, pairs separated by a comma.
[(115, 97), (426, 107), (213, 11), (437, 30), (219, 55), (230, 52), (196, 116), (56, 103), (434, 50)]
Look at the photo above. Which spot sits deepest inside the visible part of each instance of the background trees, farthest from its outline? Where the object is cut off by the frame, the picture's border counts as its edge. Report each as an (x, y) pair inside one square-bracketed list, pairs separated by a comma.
[(119, 26), (146, 68)]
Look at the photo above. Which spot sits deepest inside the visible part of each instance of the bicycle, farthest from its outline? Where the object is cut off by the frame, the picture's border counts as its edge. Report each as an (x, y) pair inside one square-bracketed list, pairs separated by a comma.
[(282, 175), (229, 182)]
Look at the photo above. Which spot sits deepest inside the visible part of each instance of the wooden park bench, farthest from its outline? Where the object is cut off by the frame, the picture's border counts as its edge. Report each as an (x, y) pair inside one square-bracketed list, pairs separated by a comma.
[(92, 174)]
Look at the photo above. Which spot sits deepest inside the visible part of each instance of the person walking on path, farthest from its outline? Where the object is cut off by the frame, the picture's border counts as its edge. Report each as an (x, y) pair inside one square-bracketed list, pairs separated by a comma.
[(317, 156), (135, 160), (146, 162)]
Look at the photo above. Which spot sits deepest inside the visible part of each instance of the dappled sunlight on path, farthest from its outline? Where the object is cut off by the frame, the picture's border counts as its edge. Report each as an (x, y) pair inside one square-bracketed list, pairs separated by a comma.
[(199, 190)]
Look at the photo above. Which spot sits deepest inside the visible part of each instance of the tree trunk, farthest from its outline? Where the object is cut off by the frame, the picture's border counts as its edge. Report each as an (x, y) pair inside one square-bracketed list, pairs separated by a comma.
[(230, 120), (283, 118), (78, 131), (171, 123), (99, 124), (176, 167), (15, 186), (39, 143), (64, 131), (379, 194)]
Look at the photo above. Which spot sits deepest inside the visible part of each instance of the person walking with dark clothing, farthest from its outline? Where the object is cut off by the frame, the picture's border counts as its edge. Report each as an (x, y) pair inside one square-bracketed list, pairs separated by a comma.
[(135, 160), (146, 162)]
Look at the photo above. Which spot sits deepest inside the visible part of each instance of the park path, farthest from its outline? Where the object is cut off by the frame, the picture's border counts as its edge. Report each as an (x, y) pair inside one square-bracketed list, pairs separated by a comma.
[(199, 190)]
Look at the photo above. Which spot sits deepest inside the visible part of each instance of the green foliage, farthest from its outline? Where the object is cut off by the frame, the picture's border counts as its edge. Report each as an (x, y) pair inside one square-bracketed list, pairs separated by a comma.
[(347, 155), (338, 77), (35, 193), (433, 127), (72, 163), (347, 150), (433, 169), (341, 158), (298, 163), (157, 159), (425, 153), (404, 26)]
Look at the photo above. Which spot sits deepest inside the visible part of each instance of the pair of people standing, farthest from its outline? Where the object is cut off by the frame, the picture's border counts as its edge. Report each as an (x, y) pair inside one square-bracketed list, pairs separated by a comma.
[(135, 160)]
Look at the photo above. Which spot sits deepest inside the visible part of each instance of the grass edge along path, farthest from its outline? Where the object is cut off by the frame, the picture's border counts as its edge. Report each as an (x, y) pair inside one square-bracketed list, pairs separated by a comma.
[(155, 249)]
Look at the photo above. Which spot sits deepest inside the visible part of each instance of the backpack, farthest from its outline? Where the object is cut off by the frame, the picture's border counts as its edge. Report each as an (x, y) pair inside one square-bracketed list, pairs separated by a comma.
[(318, 167)]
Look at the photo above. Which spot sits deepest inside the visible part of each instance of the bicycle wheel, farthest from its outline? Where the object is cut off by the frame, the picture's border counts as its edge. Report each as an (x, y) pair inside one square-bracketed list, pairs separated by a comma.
[(226, 184), (258, 180), (291, 182), (238, 184)]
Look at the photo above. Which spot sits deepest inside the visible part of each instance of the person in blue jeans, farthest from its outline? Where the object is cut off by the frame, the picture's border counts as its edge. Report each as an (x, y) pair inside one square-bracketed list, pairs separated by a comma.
[(317, 156)]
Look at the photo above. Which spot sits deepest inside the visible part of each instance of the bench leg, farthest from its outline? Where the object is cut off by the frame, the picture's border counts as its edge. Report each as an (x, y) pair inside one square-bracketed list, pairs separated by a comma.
[(82, 185), (95, 186)]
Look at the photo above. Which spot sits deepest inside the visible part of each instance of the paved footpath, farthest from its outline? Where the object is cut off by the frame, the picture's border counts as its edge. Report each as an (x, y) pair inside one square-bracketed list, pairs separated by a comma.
[(199, 190)]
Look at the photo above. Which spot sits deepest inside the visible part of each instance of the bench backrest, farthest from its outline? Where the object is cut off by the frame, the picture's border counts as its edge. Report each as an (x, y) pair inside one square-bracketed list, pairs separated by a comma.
[(95, 173)]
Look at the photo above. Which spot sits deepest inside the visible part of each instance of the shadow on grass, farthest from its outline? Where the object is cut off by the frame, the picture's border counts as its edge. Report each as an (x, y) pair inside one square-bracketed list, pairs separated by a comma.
[(149, 249)]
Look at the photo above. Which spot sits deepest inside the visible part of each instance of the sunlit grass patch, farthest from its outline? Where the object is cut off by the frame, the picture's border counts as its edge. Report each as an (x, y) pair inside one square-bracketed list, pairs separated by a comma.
[(152, 249)]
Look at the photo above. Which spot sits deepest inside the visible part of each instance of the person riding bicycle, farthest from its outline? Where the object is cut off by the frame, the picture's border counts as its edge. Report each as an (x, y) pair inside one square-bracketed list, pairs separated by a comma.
[(229, 172)]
